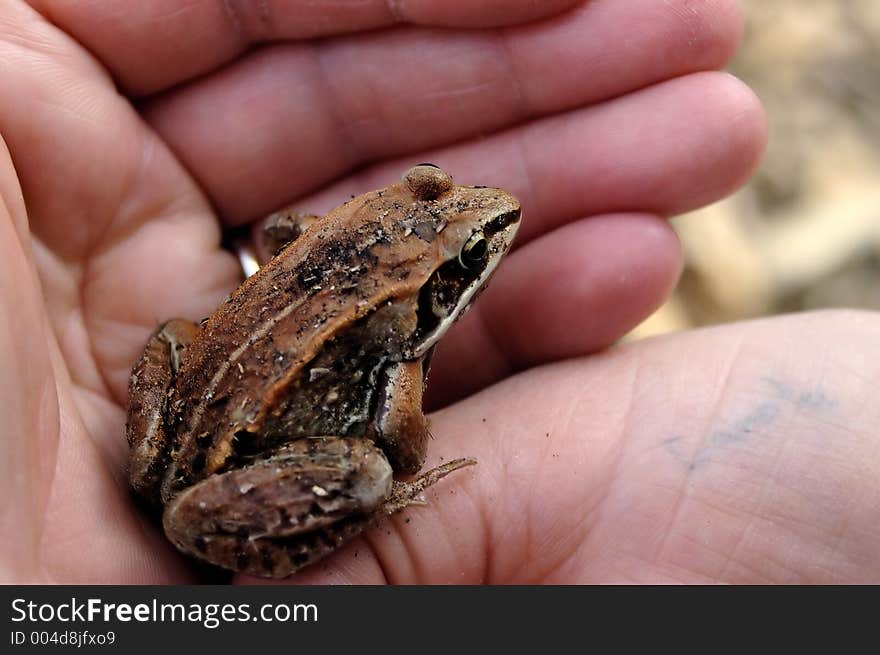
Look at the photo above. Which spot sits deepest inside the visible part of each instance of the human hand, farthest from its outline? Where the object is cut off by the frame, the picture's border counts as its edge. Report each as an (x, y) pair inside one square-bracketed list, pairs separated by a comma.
[(746, 453), (602, 121)]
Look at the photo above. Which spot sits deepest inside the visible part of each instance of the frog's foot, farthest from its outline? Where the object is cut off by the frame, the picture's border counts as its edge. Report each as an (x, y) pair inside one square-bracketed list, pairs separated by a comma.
[(404, 494)]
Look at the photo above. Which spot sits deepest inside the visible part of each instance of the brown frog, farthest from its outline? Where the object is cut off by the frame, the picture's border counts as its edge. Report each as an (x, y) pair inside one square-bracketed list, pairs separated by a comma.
[(270, 433)]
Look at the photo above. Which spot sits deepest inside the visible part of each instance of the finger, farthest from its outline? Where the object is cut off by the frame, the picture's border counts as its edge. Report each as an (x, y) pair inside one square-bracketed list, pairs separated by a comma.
[(154, 45), (65, 517), (26, 386), (664, 150), (117, 222), (722, 455), (287, 119), (566, 294)]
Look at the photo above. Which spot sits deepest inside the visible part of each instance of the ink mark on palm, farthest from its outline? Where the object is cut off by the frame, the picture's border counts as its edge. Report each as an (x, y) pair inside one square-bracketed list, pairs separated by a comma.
[(785, 400)]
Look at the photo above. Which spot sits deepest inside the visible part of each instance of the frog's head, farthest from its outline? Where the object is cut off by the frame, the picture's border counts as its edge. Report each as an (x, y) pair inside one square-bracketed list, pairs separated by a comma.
[(476, 227)]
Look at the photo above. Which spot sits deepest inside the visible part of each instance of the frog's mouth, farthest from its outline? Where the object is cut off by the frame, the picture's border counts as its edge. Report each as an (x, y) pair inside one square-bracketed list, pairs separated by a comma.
[(455, 284)]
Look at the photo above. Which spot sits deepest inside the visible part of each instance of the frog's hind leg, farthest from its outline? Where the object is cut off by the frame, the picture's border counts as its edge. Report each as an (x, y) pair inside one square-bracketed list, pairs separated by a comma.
[(151, 379), (278, 514)]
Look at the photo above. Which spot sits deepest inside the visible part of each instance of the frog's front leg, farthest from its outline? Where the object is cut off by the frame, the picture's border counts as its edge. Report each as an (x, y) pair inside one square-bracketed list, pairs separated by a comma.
[(284, 227), (278, 514), (400, 426), (151, 380)]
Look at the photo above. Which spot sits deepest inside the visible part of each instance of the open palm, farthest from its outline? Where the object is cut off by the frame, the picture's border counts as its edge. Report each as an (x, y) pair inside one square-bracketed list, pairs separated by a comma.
[(137, 133)]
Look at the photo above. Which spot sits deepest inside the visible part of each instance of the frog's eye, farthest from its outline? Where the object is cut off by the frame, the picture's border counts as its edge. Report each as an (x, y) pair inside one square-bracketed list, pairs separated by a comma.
[(474, 250)]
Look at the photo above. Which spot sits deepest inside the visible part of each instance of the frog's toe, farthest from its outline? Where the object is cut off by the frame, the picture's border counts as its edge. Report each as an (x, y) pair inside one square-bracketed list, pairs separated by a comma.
[(405, 494)]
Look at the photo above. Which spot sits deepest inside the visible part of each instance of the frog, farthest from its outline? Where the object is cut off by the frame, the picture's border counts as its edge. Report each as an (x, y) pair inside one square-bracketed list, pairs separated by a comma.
[(291, 420)]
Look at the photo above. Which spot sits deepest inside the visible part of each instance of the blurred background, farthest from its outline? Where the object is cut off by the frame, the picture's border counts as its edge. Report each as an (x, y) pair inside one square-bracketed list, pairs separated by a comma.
[(805, 232)]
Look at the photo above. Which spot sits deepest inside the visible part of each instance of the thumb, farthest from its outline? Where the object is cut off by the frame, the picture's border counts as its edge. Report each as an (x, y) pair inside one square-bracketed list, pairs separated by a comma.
[(28, 400)]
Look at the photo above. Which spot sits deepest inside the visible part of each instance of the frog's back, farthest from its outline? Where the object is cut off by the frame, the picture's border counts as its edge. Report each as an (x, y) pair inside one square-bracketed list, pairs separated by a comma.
[(266, 342)]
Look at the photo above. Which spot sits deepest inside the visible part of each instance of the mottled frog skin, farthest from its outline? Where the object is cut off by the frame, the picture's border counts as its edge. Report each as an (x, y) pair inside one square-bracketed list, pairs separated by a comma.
[(270, 433)]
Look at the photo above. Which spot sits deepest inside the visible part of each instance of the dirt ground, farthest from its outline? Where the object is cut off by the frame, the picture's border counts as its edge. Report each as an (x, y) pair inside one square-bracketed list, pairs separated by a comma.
[(805, 232)]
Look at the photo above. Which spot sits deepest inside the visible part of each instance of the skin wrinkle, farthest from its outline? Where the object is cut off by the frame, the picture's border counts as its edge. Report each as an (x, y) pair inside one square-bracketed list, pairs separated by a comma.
[(782, 564), (733, 553), (755, 507), (690, 18), (17, 215), (555, 568), (734, 518), (805, 527), (34, 450), (54, 390), (519, 521), (509, 526), (164, 207), (420, 567), (396, 533), (479, 506), (521, 107), (696, 18), (71, 316), (396, 10), (359, 151), (499, 535), (736, 351), (569, 554), (668, 571), (232, 11), (28, 30), (118, 233), (783, 522), (346, 139), (483, 503), (64, 322), (768, 482), (753, 573), (840, 535), (373, 539), (722, 390), (103, 406), (92, 352), (532, 540), (455, 96), (404, 535), (623, 445), (537, 546), (833, 576)]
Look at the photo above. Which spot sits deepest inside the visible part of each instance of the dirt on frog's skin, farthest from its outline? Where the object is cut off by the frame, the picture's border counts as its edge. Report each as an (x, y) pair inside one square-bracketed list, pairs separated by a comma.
[(229, 420)]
